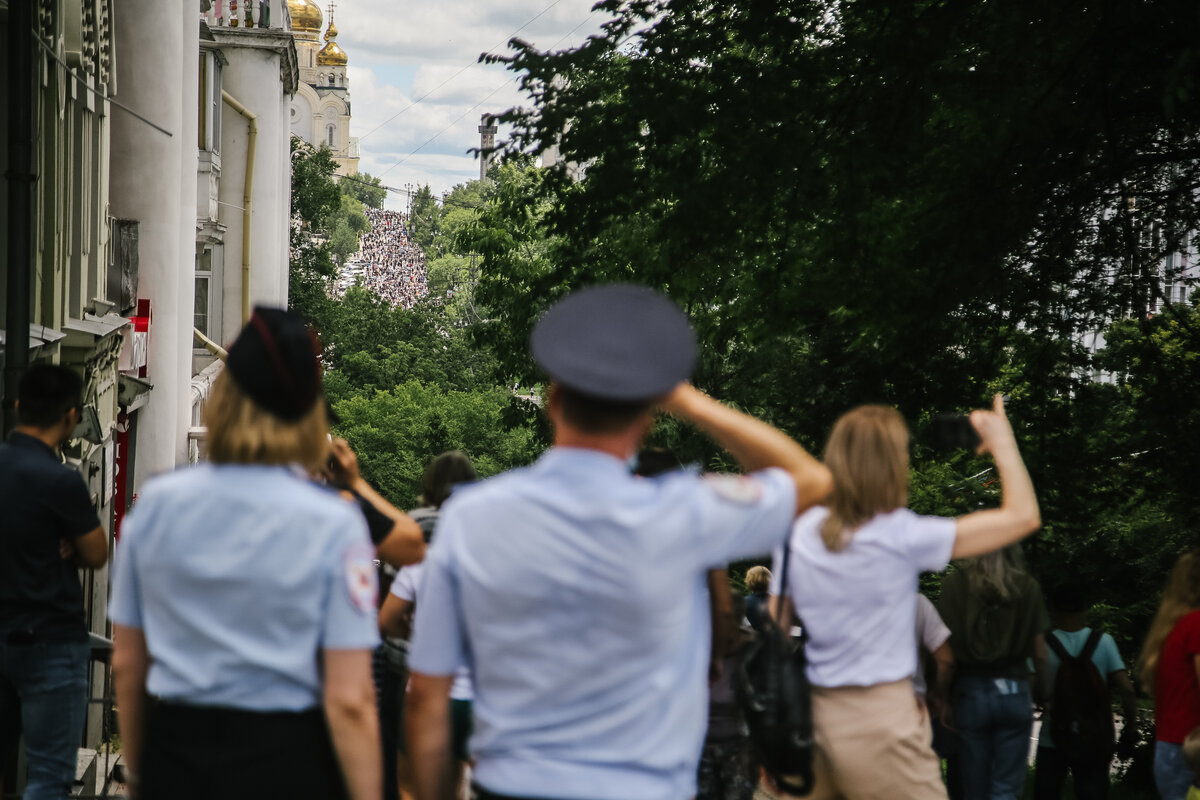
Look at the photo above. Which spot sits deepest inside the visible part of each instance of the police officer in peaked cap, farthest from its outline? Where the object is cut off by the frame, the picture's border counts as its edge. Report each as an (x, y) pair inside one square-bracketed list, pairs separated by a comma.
[(244, 600), (574, 591)]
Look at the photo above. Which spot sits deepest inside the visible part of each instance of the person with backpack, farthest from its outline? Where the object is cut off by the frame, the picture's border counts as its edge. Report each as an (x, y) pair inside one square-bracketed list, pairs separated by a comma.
[(997, 617), (1077, 729)]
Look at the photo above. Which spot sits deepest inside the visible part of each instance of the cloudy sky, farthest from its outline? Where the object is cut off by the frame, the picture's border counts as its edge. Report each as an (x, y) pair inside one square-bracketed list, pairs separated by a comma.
[(417, 92)]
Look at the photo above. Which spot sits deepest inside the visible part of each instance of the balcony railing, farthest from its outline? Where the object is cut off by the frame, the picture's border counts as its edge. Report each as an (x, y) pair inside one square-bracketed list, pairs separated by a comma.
[(249, 14)]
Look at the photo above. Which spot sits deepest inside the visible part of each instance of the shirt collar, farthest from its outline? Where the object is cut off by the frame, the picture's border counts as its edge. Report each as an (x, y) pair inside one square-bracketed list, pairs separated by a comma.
[(28, 442), (583, 459)]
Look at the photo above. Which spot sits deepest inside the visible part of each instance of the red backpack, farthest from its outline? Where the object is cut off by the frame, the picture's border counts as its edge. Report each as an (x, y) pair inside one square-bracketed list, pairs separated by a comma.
[(1081, 718)]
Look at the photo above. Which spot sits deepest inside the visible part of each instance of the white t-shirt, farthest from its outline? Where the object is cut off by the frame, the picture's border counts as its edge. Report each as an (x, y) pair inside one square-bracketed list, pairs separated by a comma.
[(405, 586), (859, 604), (932, 633)]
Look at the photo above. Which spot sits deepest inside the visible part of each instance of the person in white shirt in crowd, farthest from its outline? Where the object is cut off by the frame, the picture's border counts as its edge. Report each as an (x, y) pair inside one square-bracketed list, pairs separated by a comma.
[(444, 473), (852, 581), (935, 659)]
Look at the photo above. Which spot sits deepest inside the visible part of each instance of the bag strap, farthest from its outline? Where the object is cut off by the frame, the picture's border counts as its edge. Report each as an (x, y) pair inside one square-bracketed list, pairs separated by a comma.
[(785, 604), (1093, 641), (1056, 645)]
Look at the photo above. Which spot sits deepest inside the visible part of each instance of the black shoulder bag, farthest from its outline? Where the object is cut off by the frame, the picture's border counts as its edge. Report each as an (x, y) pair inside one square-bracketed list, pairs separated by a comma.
[(776, 700)]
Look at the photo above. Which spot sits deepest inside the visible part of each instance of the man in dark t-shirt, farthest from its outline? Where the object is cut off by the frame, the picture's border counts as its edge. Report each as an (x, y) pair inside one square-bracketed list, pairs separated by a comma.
[(47, 531)]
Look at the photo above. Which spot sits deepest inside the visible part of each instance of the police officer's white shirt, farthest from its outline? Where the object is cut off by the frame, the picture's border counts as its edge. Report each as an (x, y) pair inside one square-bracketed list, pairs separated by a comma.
[(858, 605), (576, 594), (239, 576)]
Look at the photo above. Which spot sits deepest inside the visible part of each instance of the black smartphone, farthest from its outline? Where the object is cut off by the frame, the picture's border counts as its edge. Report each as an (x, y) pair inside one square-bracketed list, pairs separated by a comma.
[(953, 432)]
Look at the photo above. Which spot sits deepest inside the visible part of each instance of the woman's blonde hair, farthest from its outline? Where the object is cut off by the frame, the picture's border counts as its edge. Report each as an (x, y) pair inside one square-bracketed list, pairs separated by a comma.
[(758, 579), (242, 432), (867, 454), (1181, 596), (993, 574)]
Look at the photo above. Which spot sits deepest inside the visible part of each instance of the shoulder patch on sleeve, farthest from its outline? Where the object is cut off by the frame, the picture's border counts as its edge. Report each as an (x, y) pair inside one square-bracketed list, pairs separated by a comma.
[(739, 489), (362, 584)]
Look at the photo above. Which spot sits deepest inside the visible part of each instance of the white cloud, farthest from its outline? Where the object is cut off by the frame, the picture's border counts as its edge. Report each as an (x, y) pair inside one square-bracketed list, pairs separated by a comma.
[(415, 83)]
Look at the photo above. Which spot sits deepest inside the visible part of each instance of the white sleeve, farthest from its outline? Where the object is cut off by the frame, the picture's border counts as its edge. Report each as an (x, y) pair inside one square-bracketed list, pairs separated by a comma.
[(351, 619), (125, 608), (932, 632), (743, 516), (929, 541), (405, 584), (438, 642)]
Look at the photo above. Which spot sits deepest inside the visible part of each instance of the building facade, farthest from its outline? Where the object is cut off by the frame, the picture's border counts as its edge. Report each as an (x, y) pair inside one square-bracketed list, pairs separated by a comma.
[(146, 155), (320, 111)]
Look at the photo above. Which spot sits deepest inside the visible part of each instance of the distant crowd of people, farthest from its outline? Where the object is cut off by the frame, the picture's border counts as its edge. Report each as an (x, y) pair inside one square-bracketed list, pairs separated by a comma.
[(393, 265), (566, 630)]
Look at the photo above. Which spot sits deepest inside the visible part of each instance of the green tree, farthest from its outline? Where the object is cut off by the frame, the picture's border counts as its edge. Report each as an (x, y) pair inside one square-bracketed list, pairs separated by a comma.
[(314, 194), (397, 432), (315, 198), (423, 217), (365, 188), (855, 202), (344, 228)]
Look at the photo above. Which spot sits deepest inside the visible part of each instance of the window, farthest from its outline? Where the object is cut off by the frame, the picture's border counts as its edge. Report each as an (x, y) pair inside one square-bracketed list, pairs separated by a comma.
[(209, 117), (206, 310), (202, 311), (331, 80), (331, 131)]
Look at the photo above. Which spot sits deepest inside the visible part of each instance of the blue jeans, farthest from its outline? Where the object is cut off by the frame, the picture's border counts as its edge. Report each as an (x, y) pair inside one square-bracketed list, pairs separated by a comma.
[(995, 719), (1171, 774), (48, 682)]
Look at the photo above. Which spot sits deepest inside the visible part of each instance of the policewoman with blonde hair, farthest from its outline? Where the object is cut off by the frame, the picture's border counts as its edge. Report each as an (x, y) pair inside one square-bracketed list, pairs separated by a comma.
[(244, 600), (852, 579)]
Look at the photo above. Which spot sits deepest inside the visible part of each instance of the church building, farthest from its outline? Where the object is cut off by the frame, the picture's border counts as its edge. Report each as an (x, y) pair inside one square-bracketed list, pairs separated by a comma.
[(321, 106)]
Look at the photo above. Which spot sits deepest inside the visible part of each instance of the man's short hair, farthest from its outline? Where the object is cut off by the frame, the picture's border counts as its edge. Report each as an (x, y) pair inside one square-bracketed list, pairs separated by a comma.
[(592, 414), (1067, 598), (46, 393)]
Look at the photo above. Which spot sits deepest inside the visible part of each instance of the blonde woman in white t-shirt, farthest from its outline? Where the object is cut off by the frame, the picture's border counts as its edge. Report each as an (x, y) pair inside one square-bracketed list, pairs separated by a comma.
[(853, 582)]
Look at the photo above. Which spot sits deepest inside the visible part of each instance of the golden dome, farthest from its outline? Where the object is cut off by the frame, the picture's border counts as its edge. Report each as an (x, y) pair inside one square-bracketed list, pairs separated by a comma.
[(306, 16), (331, 55)]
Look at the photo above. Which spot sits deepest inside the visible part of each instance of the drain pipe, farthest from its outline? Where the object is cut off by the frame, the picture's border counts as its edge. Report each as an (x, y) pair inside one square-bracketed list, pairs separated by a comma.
[(209, 344), (247, 193)]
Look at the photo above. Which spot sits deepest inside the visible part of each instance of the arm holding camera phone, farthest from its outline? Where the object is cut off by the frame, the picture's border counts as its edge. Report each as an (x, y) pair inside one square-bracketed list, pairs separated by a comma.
[(405, 543), (1018, 515)]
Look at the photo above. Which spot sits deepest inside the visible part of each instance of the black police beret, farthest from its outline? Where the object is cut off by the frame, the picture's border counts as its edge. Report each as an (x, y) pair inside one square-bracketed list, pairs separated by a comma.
[(275, 361), (617, 342)]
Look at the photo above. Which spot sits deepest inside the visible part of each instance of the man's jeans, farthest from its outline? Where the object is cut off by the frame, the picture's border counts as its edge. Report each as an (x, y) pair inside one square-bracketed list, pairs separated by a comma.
[(48, 681), (994, 716), (1171, 774)]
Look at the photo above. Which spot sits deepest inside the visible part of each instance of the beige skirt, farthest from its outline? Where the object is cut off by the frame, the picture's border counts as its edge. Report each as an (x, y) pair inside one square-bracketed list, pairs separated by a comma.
[(874, 742)]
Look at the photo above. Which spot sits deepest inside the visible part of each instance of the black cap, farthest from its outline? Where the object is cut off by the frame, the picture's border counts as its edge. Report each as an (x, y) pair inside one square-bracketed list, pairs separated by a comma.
[(276, 361), (618, 342)]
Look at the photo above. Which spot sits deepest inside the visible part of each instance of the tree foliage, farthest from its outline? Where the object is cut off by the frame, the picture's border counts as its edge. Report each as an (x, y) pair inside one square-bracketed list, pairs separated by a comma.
[(917, 204), (365, 188)]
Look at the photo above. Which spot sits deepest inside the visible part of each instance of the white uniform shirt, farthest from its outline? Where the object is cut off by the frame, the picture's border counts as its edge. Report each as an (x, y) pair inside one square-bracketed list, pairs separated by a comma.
[(239, 576), (405, 586), (576, 594), (859, 604)]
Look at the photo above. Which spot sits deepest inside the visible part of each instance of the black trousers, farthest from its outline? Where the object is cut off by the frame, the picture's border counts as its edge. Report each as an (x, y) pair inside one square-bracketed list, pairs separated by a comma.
[(1050, 773), (194, 753)]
